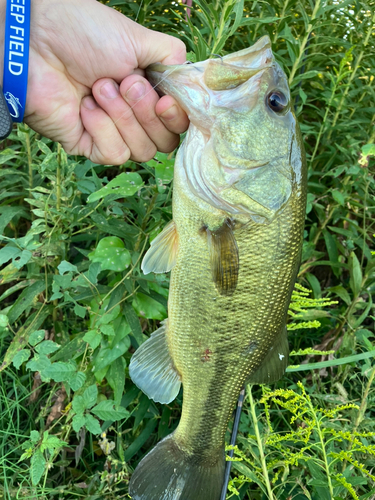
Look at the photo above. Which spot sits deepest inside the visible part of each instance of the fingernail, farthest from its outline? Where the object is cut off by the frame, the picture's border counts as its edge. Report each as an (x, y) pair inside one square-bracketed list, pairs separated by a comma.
[(109, 90), (89, 103), (136, 91), (170, 114)]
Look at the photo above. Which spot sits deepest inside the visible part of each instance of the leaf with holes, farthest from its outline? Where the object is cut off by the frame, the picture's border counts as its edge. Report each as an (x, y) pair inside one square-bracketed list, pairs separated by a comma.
[(112, 254), (125, 184)]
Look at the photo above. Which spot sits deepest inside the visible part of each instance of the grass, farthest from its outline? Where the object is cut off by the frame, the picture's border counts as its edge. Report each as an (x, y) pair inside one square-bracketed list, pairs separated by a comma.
[(72, 424)]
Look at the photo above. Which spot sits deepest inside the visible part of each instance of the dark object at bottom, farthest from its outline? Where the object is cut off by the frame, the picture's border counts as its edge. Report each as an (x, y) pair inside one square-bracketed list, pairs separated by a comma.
[(233, 442)]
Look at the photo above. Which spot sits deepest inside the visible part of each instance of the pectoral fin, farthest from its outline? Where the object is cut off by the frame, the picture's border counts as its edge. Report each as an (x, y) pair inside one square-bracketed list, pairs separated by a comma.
[(162, 254), (274, 364), (224, 257), (152, 370)]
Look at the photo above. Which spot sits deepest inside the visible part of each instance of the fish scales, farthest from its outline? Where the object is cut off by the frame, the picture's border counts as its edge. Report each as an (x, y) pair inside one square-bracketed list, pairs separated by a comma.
[(233, 247), (203, 319)]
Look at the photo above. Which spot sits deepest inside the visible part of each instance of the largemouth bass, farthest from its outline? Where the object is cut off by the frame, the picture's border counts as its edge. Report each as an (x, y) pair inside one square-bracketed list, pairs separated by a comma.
[(233, 248)]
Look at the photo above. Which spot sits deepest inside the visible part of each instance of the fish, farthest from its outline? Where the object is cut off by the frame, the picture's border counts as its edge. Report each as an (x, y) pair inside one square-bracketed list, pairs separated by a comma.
[(233, 248)]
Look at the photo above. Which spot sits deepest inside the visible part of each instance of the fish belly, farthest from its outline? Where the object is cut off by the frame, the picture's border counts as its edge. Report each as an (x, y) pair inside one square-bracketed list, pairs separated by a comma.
[(217, 341)]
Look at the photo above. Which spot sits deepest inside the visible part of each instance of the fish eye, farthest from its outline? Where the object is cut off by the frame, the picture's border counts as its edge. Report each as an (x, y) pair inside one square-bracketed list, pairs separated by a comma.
[(277, 101)]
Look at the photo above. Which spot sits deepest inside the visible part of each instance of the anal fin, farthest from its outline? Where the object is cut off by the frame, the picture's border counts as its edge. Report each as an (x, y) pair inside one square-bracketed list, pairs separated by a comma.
[(162, 254), (151, 369), (274, 364), (224, 257)]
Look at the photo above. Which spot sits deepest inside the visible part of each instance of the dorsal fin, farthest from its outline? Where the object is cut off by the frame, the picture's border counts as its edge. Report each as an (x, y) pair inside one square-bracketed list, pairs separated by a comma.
[(224, 257), (162, 254)]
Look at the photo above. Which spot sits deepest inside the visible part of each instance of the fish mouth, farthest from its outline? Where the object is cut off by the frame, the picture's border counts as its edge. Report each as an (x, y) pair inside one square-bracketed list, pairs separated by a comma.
[(185, 81)]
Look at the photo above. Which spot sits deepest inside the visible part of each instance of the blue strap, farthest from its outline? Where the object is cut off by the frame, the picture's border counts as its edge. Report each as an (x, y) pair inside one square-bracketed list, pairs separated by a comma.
[(16, 56)]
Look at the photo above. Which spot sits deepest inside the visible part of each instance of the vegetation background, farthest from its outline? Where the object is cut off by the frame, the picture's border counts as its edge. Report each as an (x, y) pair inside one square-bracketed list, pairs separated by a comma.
[(74, 304)]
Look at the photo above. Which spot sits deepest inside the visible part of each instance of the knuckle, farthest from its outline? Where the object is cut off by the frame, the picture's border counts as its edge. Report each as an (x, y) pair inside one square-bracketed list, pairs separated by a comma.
[(116, 156), (170, 145), (147, 153)]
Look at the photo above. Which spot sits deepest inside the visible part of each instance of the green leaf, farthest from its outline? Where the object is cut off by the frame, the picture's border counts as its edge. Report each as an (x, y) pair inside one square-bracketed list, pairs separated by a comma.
[(71, 350), (80, 311), (21, 338), (47, 347), (146, 307), (8, 213), (34, 436), (339, 197), (22, 259), (3, 320), (93, 272), (163, 170), (116, 378), (333, 253), (108, 355), (355, 274), (20, 357), (39, 363), (90, 396), (243, 469), (93, 338), (112, 254), (66, 267), (27, 297), (7, 253), (342, 293), (134, 323), (60, 371), (107, 330), (125, 184), (332, 362), (368, 149), (106, 411), (78, 405), (51, 442), (92, 425), (78, 421), (38, 463), (37, 337), (76, 380)]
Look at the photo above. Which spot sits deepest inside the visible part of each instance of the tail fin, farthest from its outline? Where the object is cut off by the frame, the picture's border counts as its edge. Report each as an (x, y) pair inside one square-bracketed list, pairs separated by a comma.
[(168, 473)]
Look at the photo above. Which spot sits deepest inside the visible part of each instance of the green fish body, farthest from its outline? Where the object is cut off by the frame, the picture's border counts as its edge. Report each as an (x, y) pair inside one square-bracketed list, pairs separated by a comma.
[(233, 248)]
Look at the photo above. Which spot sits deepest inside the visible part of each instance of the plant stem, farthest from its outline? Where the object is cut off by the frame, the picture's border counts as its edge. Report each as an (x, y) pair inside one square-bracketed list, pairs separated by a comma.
[(351, 78), (58, 177), (304, 42), (29, 157), (323, 448), (260, 444)]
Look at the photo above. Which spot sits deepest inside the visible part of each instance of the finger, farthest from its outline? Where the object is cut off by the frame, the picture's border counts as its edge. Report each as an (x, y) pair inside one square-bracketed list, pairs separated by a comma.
[(100, 142), (107, 94), (172, 115), (152, 46), (142, 98)]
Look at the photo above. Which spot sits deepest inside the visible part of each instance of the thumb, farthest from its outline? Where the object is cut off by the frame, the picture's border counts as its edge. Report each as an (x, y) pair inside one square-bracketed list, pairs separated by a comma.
[(152, 46)]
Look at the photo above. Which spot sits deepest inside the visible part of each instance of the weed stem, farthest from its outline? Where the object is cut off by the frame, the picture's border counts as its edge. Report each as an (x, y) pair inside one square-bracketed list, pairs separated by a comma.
[(260, 444)]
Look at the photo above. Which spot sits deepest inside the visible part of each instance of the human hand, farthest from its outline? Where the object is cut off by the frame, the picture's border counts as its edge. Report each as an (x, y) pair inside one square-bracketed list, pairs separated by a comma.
[(80, 49)]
